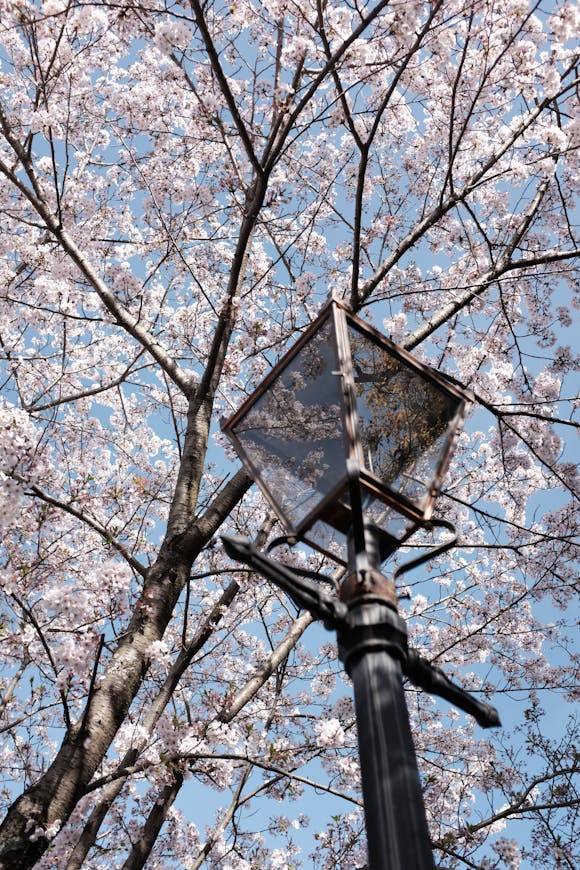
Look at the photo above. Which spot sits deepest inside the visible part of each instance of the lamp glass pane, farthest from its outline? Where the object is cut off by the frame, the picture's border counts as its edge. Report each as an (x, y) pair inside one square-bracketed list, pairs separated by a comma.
[(405, 419), (329, 540), (329, 532), (293, 433)]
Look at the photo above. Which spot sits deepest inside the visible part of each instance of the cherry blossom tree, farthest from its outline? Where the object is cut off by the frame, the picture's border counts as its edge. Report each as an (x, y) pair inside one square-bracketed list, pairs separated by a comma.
[(182, 185)]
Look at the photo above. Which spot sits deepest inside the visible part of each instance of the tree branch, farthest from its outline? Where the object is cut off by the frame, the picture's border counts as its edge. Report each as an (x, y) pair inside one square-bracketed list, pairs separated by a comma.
[(91, 522)]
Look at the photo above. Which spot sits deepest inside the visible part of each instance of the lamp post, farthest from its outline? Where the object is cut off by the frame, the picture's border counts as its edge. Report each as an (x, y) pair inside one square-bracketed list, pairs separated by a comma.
[(349, 437)]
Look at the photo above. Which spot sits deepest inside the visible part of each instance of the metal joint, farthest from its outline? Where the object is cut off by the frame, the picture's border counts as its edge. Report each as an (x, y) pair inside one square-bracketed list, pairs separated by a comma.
[(368, 582), (372, 625)]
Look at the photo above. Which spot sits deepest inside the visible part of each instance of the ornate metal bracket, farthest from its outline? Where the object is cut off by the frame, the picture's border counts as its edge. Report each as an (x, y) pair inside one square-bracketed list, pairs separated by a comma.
[(304, 592), (387, 629)]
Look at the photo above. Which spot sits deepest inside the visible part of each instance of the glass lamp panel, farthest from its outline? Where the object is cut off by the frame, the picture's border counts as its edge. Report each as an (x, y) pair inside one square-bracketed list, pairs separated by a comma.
[(292, 434), (328, 540), (405, 419), (329, 531), (387, 519)]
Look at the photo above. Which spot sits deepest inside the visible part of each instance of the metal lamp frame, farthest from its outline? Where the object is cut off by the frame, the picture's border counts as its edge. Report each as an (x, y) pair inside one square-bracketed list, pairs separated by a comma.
[(329, 509)]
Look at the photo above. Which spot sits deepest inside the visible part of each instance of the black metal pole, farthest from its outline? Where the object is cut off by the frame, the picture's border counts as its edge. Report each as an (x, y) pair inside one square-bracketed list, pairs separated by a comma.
[(397, 833), (372, 644)]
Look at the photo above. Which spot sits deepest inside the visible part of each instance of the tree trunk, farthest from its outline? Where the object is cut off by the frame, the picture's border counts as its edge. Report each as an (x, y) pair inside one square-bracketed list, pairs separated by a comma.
[(52, 799)]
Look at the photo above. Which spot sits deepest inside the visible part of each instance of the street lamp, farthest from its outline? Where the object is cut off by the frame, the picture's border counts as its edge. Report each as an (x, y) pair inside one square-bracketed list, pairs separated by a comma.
[(349, 437)]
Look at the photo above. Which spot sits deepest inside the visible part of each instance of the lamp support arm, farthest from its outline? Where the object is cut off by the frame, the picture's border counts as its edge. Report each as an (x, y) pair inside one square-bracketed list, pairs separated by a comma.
[(335, 615), (305, 593), (426, 676)]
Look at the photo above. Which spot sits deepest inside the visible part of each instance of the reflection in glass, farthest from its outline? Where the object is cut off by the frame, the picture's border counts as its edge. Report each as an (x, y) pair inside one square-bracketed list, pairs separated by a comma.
[(330, 536), (292, 434), (404, 419)]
